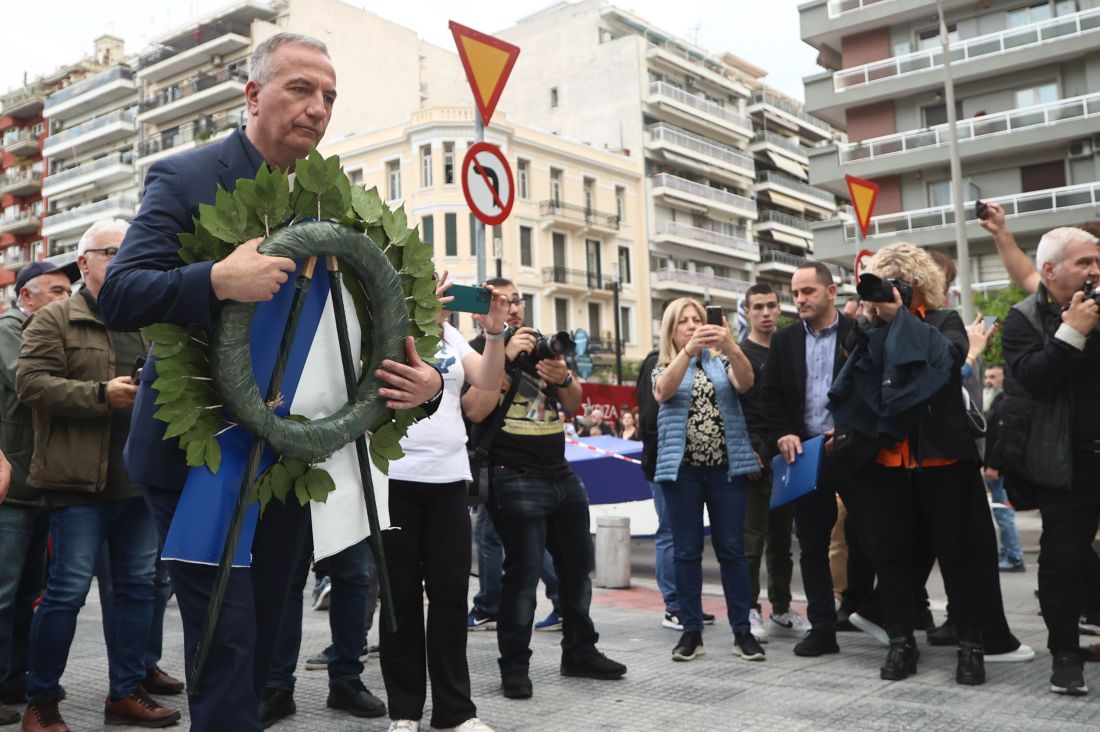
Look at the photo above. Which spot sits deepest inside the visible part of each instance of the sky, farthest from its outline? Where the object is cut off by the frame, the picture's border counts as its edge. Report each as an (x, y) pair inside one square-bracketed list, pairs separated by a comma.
[(763, 33)]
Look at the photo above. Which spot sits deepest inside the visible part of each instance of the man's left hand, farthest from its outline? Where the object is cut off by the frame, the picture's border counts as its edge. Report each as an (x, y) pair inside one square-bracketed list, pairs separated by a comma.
[(410, 385), (552, 370), (5, 477)]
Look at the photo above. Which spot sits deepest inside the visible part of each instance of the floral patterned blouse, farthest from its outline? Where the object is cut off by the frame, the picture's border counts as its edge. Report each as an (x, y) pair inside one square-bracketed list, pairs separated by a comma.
[(706, 436)]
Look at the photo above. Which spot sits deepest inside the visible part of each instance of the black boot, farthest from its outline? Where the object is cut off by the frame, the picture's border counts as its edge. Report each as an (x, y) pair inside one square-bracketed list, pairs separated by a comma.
[(901, 659), (971, 669)]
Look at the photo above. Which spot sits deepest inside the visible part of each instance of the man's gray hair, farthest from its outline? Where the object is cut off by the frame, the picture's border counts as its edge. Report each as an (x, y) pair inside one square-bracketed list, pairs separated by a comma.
[(1052, 247), (262, 66), (100, 227)]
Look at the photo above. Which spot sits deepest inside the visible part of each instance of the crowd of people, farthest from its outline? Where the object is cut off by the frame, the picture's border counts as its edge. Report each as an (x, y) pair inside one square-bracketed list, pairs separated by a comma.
[(914, 430)]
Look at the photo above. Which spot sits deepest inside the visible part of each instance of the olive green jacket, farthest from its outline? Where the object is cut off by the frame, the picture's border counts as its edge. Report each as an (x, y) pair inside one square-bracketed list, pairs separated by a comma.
[(16, 435)]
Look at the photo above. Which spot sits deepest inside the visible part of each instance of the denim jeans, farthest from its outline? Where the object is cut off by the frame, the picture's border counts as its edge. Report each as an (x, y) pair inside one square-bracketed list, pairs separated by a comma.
[(662, 549), (726, 501), (76, 535), (535, 514), (490, 567), (23, 531), (1006, 522), (163, 591)]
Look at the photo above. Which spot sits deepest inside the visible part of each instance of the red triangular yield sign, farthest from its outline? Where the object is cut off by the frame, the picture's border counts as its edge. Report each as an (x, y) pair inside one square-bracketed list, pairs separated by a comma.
[(488, 61)]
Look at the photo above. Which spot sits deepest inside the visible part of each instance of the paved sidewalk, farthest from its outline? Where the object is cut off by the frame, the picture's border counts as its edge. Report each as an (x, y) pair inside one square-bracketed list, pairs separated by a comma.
[(717, 691)]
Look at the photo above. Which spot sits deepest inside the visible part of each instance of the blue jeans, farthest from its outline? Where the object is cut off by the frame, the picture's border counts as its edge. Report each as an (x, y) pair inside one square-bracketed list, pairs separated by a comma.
[(662, 547), (163, 591), (726, 501), (351, 604), (1006, 522), (533, 514), (23, 531), (76, 535), (490, 567)]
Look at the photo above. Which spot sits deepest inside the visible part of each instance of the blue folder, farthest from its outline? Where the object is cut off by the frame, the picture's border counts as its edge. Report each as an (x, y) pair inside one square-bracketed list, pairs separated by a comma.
[(794, 480)]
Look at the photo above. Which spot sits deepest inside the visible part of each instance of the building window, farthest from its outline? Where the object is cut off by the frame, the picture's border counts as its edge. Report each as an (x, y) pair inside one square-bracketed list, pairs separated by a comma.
[(427, 229), (1043, 176), (558, 249), (625, 331), (450, 234), (356, 177), (620, 203), (393, 180), (553, 96), (425, 166), (1038, 12), (594, 320), (936, 114), (526, 256), (523, 172), (589, 195), (1042, 94), (592, 257), (555, 186), (931, 38), (624, 265), (529, 313), (561, 313), (448, 163)]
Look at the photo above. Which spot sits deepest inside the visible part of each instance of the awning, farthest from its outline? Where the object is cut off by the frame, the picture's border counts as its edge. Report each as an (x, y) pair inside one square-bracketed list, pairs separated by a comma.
[(787, 165), (779, 199), (797, 241)]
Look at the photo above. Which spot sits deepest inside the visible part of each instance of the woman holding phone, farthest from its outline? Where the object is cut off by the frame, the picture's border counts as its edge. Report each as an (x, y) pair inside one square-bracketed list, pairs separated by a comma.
[(703, 457), (430, 548)]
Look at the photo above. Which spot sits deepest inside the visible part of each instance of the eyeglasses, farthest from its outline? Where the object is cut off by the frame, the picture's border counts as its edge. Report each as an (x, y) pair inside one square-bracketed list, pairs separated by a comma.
[(516, 303), (108, 252)]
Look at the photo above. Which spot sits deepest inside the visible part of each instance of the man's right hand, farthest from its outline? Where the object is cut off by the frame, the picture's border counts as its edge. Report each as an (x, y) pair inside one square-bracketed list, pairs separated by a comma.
[(121, 392), (248, 276), (1082, 314), (522, 341), (790, 447), (995, 222)]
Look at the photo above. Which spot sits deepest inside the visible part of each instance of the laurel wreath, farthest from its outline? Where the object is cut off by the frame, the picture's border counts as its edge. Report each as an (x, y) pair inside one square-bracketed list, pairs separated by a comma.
[(189, 398)]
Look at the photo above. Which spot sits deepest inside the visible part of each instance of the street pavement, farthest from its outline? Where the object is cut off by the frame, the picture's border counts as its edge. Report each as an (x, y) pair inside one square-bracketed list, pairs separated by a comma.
[(716, 692)]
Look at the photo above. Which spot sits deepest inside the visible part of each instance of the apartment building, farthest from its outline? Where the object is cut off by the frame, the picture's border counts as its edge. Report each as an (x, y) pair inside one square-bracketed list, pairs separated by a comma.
[(1027, 90), (578, 219)]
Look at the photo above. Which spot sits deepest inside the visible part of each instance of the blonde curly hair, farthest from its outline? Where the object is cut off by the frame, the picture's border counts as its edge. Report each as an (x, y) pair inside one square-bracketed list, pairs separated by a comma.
[(915, 266)]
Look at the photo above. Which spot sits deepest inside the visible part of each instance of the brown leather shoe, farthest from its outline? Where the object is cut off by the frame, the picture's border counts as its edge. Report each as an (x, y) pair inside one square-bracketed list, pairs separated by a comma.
[(43, 717), (160, 683), (138, 710), (8, 716), (1093, 653)]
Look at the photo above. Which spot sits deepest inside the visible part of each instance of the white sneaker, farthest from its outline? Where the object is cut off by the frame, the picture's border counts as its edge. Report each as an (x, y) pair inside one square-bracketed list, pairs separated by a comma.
[(873, 630), (473, 724), (756, 626), (405, 725), (790, 623), (1023, 653), (672, 622)]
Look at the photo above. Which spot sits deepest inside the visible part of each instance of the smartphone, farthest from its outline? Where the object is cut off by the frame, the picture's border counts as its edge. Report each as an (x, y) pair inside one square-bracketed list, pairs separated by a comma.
[(989, 321), (135, 372), (981, 210), (468, 299), (714, 315)]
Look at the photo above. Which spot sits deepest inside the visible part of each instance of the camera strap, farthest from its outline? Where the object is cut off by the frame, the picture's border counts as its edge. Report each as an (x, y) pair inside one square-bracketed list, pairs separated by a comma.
[(481, 452)]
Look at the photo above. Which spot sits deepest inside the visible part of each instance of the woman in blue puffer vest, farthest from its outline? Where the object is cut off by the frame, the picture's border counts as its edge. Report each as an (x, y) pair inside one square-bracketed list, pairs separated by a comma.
[(703, 458)]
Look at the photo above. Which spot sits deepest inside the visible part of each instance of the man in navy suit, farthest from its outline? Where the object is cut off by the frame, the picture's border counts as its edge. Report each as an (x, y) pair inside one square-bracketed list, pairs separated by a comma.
[(290, 94)]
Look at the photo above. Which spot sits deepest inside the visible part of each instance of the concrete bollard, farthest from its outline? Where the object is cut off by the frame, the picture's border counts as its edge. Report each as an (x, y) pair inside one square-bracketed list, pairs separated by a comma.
[(612, 552)]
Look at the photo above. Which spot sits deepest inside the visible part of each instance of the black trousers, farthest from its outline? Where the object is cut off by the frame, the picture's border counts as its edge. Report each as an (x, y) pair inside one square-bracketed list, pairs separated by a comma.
[(430, 552), (814, 517), (946, 506)]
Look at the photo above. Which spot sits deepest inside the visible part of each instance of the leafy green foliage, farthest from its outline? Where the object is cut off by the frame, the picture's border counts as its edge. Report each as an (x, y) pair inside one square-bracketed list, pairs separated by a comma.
[(997, 302)]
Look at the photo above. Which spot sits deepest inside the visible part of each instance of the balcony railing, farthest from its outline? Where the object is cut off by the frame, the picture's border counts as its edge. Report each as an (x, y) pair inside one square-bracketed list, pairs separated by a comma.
[(1067, 198), (22, 95), (187, 41), (764, 97), (1066, 26), (840, 7), (664, 132), (701, 279), (781, 180), (191, 132), (122, 115), (699, 102), (128, 201), (780, 141), (975, 128), (793, 260), (578, 277), (101, 79), (573, 212), (778, 217), (190, 86), (667, 180), (119, 158), (22, 135), (672, 228), (18, 175), (785, 297)]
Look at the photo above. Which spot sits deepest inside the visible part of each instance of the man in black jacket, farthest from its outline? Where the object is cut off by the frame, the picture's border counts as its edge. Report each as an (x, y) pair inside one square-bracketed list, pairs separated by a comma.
[(805, 357), (1052, 355)]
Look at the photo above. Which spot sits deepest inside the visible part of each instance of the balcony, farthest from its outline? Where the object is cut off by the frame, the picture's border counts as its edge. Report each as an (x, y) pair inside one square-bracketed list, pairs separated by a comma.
[(784, 144), (22, 142), (700, 197), (25, 102), (108, 169), (699, 283), (577, 279), (100, 90), (20, 182), (578, 216), (695, 110), (192, 95), (782, 227), (696, 237), (782, 189), (840, 7), (20, 221), (188, 50), (186, 137), (694, 64), (698, 153), (13, 256), (792, 115), (93, 133), (781, 262), (76, 220)]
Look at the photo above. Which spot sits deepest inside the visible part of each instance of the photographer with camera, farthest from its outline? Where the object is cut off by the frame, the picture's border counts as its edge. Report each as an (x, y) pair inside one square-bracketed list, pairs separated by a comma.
[(537, 502), (1052, 355)]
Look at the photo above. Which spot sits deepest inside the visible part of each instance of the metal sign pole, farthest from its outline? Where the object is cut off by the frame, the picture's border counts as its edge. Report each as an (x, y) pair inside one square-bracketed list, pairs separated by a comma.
[(479, 227)]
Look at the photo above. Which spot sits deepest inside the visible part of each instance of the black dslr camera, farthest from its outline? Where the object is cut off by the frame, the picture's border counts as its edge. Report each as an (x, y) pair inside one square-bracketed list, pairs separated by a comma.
[(546, 346), (1091, 290), (873, 288)]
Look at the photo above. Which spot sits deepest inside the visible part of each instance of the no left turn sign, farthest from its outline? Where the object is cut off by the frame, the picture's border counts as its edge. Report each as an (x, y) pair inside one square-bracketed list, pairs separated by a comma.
[(487, 183)]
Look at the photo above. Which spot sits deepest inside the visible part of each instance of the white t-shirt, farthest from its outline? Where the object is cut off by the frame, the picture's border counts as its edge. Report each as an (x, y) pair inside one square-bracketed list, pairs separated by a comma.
[(435, 448)]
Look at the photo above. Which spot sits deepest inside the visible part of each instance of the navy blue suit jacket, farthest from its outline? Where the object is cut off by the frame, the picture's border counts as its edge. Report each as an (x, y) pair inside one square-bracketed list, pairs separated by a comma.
[(148, 283)]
